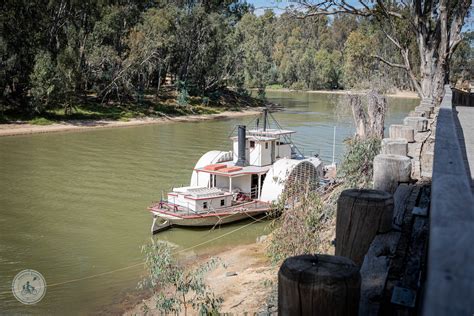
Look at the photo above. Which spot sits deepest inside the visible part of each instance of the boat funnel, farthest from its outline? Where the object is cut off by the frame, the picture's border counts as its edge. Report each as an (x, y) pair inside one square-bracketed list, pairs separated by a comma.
[(265, 118), (241, 161)]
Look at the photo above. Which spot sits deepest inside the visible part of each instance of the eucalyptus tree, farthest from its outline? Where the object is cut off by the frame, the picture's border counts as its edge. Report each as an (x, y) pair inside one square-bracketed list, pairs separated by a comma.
[(435, 24), (257, 38)]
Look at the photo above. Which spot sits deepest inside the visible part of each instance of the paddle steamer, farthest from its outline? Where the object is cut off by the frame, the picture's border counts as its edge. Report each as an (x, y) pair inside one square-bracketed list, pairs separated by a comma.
[(227, 186)]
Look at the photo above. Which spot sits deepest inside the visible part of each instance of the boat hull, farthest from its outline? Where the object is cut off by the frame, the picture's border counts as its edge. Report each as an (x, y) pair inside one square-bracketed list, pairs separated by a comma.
[(207, 219)]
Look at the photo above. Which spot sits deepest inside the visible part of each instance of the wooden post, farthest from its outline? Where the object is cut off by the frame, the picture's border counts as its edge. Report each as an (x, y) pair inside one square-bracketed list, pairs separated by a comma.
[(394, 146), (390, 170), (402, 131), (425, 109), (419, 124), (318, 285), (361, 214), (418, 113)]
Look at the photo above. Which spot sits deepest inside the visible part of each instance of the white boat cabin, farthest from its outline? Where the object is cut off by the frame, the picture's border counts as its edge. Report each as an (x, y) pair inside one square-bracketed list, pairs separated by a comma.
[(264, 147), (200, 199)]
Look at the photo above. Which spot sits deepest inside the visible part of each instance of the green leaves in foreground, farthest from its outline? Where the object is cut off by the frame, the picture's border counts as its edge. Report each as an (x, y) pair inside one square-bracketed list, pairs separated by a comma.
[(177, 288), (357, 165)]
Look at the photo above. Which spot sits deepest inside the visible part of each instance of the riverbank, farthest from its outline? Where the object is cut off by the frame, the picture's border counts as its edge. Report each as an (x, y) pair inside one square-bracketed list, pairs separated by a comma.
[(23, 128), (244, 280), (398, 94)]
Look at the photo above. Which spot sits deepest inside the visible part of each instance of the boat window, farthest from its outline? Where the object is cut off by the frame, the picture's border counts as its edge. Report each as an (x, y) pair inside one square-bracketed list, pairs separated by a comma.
[(222, 202), (266, 145), (252, 144), (204, 205)]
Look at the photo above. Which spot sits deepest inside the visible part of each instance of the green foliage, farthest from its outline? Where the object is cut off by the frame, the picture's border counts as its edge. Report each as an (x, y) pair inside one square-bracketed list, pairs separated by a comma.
[(358, 64), (176, 288), (357, 165), (40, 121), (462, 61), (44, 83), (52, 55), (183, 97)]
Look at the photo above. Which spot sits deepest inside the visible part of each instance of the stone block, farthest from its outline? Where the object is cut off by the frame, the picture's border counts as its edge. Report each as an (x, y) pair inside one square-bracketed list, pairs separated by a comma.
[(417, 113), (390, 171), (394, 146), (419, 124), (402, 131)]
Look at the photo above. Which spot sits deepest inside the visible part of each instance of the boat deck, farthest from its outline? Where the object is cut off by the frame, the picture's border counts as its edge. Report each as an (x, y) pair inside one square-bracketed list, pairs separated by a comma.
[(177, 210)]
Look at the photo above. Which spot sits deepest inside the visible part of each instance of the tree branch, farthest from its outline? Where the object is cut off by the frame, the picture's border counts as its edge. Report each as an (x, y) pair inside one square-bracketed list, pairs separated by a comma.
[(391, 64), (388, 12), (329, 7)]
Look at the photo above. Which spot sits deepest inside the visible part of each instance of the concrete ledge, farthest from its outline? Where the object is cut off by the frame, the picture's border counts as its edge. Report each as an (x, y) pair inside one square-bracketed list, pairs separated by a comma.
[(450, 275)]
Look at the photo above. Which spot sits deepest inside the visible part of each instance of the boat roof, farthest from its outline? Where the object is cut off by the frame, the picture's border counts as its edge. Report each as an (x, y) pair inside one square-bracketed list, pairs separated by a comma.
[(255, 137), (200, 192), (270, 132), (265, 135), (229, 169)]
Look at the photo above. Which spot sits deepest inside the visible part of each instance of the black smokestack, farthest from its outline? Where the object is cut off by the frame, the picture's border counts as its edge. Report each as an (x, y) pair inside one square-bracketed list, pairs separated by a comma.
[(241, 153), (265, 114)]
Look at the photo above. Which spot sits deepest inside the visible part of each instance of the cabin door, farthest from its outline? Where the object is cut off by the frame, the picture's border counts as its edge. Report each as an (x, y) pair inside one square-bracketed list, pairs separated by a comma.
[(273, 151), (254, 186)]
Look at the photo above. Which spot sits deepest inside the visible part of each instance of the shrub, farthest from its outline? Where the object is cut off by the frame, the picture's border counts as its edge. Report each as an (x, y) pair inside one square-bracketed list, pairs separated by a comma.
[(299, 227), (174, 287), (357, 166), (40, 121)]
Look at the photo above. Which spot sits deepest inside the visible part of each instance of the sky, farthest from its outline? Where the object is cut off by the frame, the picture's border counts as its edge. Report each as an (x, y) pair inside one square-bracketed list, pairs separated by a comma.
[(261, 5), (279, 6)]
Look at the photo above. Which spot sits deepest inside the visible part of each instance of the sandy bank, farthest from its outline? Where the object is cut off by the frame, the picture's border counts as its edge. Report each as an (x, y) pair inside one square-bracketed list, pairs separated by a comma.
[(245, 282), (398, 94), (81, 125)]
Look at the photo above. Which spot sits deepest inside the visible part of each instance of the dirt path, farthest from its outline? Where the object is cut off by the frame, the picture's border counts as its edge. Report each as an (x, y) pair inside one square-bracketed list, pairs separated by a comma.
[(245, 282), (81, 125)]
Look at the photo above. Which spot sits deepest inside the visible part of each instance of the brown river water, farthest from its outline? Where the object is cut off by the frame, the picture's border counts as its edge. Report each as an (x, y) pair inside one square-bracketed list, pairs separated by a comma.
[(73, 205)]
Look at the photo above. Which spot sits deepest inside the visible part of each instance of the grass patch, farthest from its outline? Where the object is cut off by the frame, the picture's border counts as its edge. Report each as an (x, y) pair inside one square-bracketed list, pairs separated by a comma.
[(275, 86), (40, 121), (205, 110)]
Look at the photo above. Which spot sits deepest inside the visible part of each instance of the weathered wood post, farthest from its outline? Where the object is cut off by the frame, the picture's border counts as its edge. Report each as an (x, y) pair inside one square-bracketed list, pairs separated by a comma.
[(402, 131), (390, 170), (394, 146), (361, 214), (318, 285)]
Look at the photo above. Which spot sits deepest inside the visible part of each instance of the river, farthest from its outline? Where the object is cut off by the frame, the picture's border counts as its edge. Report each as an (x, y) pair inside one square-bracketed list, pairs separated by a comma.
[(73, 205)]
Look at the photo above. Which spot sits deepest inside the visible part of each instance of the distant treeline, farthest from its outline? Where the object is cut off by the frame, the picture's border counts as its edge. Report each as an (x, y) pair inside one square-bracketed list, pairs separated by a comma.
[(56, 53)]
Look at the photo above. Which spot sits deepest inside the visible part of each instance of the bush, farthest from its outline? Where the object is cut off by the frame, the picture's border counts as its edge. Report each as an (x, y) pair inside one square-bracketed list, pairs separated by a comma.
[(358, 162), (299, 227), (40, 121), (174, 287)]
